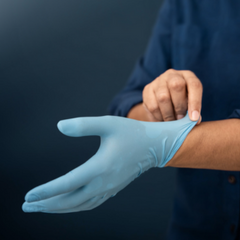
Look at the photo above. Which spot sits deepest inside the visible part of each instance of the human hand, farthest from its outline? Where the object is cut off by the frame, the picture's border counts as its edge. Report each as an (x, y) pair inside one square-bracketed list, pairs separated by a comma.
[(171, 94), (128, 148)]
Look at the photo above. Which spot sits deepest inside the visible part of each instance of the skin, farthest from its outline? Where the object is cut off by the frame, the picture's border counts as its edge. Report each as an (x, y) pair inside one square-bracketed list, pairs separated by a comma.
[(210, 145), (169, 97)]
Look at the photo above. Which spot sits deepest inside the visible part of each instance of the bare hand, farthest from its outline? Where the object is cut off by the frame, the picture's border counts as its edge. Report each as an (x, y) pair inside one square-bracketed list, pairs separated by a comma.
[(171, 94)]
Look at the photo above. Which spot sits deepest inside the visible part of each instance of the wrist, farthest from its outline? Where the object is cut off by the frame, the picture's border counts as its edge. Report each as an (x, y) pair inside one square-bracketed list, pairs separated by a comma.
[(184, 157)]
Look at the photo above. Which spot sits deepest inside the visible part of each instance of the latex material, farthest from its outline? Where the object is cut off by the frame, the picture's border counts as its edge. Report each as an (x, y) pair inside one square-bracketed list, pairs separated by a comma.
[(128, 148)]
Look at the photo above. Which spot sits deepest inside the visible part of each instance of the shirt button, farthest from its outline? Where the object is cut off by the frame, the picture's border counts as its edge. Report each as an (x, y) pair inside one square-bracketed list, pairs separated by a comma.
[(232, 228), (231, 179)]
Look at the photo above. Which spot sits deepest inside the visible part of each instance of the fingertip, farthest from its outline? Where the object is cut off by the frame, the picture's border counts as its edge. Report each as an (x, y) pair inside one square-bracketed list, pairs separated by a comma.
[(200, 120), (59, 126), (68, 127), (25, 207), (28, 207)]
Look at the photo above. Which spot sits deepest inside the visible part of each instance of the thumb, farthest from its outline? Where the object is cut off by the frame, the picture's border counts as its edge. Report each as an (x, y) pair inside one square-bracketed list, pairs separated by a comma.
[(85, 126)]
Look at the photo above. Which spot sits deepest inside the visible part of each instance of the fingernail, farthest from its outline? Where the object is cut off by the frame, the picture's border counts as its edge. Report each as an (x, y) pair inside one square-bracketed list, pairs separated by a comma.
[(32, 198), (180, 117), (195, 115)]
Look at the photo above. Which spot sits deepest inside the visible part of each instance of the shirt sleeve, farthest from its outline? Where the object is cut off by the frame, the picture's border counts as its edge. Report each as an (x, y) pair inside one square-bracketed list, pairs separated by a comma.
[(155, 61), (235, 114)]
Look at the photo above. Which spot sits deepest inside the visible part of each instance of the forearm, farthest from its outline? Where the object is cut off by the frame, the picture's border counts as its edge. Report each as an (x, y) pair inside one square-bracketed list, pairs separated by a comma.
[(211, 145)]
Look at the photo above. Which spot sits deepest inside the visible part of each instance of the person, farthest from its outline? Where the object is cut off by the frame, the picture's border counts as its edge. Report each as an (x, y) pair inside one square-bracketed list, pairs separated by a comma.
[(192, 62), (194, 45)]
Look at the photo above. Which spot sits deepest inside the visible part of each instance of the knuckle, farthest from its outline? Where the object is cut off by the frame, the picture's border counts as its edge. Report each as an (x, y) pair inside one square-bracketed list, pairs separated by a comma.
[(152, 108), (177, 84), (146, 88), (189, 72), (171, 71), (157, 79), (163, 97)]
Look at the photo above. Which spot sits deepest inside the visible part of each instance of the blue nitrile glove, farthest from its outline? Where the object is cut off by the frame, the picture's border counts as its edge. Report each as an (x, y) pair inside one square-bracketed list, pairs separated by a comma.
[(128, 148)]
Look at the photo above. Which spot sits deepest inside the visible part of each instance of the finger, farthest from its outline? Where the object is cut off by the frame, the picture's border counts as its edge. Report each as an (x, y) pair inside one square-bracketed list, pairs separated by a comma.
[(60, 202), (85, 126), (177, 88), (199, 120), (195, 90), (75, 179), (151, 104), (150, 116), (88, 205), (164, 101)]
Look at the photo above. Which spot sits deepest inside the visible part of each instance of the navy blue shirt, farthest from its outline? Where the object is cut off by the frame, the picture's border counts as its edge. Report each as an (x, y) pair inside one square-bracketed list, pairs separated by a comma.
[(202, 36)]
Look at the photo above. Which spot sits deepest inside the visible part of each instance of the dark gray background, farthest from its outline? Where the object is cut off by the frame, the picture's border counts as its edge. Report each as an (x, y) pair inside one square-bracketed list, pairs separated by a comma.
[(63, 59)]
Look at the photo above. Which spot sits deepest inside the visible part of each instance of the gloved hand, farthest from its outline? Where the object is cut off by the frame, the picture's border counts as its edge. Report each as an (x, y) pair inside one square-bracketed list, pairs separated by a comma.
[(128, 148)]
